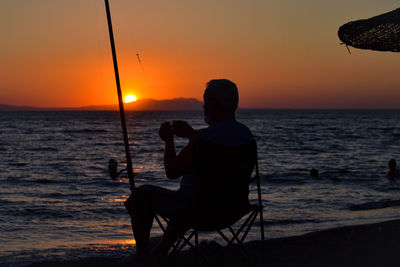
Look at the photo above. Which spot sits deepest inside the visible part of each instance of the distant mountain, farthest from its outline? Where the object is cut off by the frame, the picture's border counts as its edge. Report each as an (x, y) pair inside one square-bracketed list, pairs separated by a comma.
[(141, 104), (171, 104), (17, 108)]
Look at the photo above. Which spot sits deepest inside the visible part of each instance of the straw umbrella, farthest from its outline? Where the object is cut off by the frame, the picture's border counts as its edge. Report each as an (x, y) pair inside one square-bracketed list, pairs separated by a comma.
[(380, 33)]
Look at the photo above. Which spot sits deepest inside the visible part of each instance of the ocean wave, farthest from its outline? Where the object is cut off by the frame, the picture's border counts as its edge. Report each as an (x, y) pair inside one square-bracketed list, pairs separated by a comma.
[(5, 202), (18, 164), (43, 181), (85, 131), (57, 195), (284, 180), (375, 205), (353, 136), (42, 149), (382, 128), (308, 125), (101, 144), (103, 211), (54, 195), (308, 149), (285, 222), (40, 212)]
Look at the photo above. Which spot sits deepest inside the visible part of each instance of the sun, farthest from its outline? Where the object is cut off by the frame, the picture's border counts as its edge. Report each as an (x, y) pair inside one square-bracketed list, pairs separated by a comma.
[(130, 98)]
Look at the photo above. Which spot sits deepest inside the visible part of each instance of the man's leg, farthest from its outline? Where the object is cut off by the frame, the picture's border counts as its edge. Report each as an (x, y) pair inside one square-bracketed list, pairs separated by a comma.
[(140, 208), (146, 201), (171, 235)]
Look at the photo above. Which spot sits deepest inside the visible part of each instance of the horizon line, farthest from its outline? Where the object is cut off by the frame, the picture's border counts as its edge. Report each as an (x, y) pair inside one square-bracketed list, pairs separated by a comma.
[(84, 108), (114, 107)]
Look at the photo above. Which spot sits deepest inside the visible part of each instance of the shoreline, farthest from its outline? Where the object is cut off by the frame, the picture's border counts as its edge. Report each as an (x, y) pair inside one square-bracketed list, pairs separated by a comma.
[(374, 244)]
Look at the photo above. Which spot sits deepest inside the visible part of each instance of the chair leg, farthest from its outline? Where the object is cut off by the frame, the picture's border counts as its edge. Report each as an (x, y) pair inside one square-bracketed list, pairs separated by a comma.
[(177, 246), (235, 236), (248, 219), (177, 243), (186, 241), (196, 242), (253, 218), (262, 236), (240, 243), (249, 222), (230, 243), (159, 223)]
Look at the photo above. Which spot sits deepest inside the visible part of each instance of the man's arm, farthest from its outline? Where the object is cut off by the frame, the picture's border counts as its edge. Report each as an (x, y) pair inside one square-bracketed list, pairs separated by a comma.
[(175, 165), (183, 129)]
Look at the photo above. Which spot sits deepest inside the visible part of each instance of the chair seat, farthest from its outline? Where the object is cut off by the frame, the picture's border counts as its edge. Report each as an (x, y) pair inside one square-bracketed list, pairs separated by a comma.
[(221, 220)]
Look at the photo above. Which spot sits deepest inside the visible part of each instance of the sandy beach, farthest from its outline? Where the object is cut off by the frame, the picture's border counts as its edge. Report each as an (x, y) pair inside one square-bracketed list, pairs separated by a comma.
[(361, 245)]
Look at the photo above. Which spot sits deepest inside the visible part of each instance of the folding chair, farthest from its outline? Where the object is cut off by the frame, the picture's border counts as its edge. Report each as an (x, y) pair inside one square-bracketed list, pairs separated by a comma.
[(237, 164)]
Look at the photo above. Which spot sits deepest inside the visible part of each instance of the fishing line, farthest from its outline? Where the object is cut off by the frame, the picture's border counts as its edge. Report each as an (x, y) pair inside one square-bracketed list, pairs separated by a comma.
[(100, 69), (126, 17), (140, 62), (132, 32)]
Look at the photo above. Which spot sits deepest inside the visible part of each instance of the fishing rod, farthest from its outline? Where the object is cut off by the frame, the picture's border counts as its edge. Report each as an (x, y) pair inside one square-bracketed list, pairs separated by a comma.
[(112, 167)]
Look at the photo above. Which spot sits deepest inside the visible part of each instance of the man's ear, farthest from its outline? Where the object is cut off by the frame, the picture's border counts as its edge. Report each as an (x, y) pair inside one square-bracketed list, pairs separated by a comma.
[(214, 104)]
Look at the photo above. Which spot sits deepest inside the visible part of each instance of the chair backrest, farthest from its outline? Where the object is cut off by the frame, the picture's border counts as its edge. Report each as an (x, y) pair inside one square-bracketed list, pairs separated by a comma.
[(222, 178)]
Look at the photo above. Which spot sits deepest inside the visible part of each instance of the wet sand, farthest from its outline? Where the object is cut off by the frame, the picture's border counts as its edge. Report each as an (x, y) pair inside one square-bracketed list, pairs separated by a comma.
[(363, 245)]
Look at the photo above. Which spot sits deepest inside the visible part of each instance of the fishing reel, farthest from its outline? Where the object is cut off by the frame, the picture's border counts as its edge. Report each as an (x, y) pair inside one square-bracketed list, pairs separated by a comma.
[(113, 169)]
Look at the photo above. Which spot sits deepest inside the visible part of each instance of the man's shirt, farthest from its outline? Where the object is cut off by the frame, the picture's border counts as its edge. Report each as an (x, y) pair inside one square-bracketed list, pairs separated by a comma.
[(229, 133)]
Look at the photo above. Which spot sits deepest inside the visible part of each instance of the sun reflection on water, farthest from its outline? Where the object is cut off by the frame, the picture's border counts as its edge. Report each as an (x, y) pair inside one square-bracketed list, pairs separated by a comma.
[(120, 199), (117, 244)]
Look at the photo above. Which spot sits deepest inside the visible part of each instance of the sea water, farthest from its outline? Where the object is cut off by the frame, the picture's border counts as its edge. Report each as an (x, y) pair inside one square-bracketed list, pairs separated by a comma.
[(58, 202)]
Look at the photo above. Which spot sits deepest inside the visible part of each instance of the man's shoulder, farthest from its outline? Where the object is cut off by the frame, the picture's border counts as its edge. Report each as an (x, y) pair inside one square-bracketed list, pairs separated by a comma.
[(243, 127), (229, 133)]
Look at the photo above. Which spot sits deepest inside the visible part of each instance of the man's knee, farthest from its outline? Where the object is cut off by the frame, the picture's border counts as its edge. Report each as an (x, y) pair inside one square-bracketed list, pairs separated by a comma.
[(141, 196), (146, 188), (129, 204)]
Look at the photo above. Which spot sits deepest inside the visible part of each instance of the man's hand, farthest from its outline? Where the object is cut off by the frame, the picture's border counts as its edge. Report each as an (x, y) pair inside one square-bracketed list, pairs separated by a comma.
[(183, 129), (166, 133)]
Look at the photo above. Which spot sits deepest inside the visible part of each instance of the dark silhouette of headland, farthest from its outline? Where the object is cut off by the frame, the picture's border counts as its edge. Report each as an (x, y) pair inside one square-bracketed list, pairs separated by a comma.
[(139, 105)]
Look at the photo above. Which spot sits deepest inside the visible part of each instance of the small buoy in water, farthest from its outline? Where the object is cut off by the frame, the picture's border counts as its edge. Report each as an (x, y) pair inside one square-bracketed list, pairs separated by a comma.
[(314, 173)]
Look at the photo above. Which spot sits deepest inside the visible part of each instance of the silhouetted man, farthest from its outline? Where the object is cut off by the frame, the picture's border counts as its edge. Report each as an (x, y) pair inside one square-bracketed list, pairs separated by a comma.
[(180, 207)]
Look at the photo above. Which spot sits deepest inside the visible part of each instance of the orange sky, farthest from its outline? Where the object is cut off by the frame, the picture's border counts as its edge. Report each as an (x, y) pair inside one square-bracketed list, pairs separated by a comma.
[(282, 54)]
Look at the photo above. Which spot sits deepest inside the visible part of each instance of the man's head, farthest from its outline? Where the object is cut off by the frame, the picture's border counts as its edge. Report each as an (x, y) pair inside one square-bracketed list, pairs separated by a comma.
[(392, 164), (314, 173), (221, 100)]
